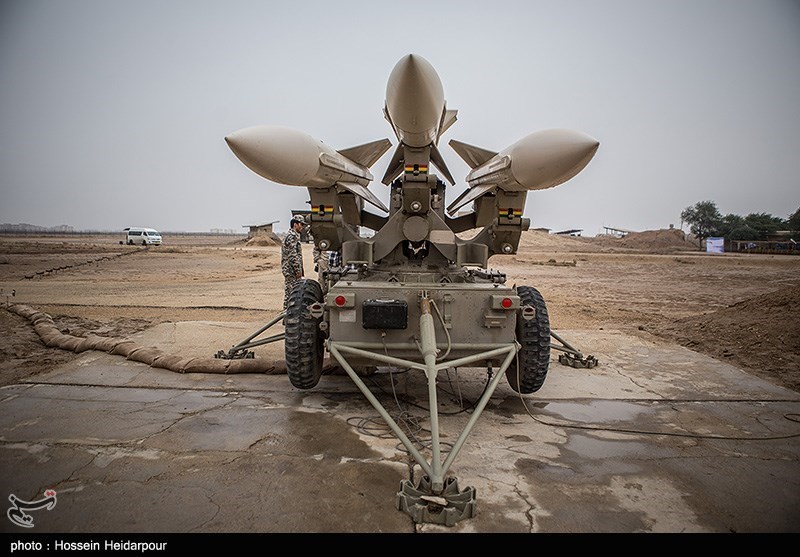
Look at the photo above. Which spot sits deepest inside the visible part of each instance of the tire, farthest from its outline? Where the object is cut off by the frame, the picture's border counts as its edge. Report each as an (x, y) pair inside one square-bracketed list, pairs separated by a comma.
[(533, 358), (304, 343)]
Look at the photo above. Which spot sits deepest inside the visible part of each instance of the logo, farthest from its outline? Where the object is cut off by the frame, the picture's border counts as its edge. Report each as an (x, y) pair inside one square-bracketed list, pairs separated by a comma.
[(17, 515)]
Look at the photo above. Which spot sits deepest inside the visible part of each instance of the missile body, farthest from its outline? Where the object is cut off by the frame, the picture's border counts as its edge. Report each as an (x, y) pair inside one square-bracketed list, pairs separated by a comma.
[(541, 160), (415, 101), (416, 109), (293, 158)]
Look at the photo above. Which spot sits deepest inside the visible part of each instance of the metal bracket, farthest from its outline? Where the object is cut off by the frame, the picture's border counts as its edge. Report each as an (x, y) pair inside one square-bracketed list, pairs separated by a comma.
[(571, 356), (235, 354), (448, 508), (587, 362)]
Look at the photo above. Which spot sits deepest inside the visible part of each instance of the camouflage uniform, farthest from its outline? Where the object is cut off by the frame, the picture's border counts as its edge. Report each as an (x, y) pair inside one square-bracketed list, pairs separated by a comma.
[(320, 263), (291, 262)]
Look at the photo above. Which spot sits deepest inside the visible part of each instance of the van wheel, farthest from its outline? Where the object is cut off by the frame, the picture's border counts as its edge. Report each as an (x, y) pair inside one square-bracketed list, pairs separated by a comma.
[(144, 242)]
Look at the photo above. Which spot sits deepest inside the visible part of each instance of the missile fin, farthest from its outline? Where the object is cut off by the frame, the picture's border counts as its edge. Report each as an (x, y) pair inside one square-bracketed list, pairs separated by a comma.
[(469, 195), (389, 119), (363, 193), (368, 153), (473, 156), (395, 166), (436, 158), (448, 119)]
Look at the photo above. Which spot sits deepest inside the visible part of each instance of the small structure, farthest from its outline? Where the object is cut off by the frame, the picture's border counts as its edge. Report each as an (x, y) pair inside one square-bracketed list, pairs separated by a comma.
[(262, 232), (617, 232), (787, 246), (570, 232)]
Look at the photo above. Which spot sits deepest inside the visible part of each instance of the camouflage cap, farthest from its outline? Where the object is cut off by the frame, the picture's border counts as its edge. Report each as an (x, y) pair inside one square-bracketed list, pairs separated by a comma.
[(299, 218)]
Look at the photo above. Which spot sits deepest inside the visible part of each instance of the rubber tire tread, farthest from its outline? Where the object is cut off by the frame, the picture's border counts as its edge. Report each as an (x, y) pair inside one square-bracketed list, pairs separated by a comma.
[(303, 341), (534, 339)]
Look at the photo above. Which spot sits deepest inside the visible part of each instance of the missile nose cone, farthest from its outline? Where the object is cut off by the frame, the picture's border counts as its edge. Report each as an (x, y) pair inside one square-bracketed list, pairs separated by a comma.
[(279, 154), (551, 157), (415, 100)]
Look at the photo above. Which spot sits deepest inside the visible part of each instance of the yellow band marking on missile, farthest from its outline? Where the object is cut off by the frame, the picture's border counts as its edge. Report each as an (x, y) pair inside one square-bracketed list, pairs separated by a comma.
[(416, 168), (511, 213), (323, 210)]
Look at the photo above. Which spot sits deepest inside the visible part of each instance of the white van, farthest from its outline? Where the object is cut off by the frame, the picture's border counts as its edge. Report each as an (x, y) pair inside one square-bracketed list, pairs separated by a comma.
[(142, 236)]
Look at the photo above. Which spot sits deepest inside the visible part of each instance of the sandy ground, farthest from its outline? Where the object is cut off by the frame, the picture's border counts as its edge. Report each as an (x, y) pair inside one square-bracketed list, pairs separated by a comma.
[(743, 309)]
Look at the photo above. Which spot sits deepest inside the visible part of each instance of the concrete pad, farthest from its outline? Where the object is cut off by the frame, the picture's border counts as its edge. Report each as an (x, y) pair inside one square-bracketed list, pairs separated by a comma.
[(657, 438)]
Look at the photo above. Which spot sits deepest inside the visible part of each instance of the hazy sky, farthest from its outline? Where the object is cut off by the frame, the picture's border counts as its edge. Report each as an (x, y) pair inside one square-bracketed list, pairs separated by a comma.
[(113, 113)]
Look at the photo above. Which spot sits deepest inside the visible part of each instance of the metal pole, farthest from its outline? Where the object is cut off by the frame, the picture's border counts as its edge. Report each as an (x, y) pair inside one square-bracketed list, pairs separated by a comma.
[(261, 330), (376, 356), (564, 342), (260, 342), (428, 349)]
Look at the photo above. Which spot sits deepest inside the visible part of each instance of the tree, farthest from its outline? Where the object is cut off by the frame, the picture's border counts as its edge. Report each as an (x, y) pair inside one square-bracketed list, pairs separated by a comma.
[(794, 222), (729, 223), (704, 219), (764, 223), (743, 232)]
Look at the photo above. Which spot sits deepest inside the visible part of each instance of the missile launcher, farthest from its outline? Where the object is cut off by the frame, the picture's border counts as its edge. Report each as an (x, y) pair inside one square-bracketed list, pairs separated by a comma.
[(417, 292)]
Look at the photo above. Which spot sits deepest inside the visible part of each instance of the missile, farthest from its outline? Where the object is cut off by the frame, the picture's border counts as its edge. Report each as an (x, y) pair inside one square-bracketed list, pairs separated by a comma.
[(541, 160), (416, 109), (293, 158), (415, 104)]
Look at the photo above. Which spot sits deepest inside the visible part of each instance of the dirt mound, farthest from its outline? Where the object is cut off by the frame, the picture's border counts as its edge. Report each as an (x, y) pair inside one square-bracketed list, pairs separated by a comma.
[(667, 240), (263, 241), (538, 240), (652, 241), (761, 334)]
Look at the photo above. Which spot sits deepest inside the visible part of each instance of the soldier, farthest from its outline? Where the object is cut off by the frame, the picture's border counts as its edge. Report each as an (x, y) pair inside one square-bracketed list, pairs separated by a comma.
[(320, 263), (292, 256), (320, 257)]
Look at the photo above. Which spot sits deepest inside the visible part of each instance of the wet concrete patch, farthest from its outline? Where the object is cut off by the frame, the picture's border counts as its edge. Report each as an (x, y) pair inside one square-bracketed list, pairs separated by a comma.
[(216, 492), (97, 415)]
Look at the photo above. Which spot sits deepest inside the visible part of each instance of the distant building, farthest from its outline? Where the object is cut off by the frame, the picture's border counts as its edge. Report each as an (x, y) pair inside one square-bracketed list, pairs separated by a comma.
[(779, 242), (571, 232), (617, 232), (262, 232)]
